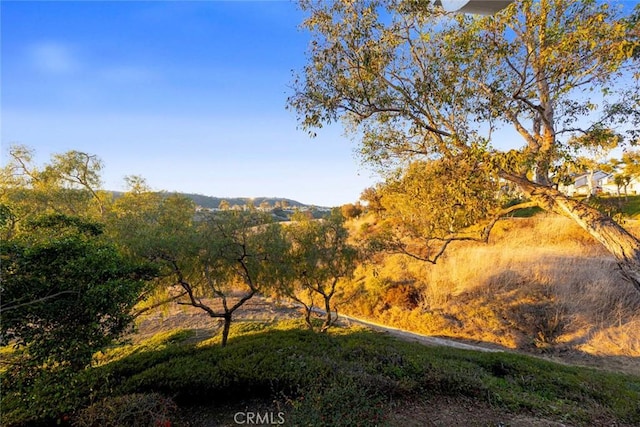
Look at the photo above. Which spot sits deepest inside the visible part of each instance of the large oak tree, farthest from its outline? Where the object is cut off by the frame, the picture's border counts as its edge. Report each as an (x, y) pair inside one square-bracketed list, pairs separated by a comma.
[(416, 85)]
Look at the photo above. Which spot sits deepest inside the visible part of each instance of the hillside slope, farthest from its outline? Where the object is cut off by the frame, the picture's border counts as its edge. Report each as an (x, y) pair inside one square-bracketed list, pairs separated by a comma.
[(541, 284)]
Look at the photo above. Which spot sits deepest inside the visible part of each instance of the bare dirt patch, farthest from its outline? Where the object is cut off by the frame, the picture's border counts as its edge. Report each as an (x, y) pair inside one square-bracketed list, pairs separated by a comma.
[(172, 316)]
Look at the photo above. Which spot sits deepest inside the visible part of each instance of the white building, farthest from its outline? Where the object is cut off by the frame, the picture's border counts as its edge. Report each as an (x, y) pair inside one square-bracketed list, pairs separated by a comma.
[(599, 182)]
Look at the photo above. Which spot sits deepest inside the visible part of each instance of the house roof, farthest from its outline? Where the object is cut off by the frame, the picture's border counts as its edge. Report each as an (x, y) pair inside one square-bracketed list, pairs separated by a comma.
[(583, 179), (478, 7)]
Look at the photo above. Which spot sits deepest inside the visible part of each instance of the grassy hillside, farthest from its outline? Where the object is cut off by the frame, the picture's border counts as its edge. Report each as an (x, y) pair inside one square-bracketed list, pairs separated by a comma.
[(629, 206), (349, 377), (540, 284)]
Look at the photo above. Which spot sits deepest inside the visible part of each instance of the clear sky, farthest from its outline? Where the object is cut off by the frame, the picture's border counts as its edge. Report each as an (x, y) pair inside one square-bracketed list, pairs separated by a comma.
[(189, 95)]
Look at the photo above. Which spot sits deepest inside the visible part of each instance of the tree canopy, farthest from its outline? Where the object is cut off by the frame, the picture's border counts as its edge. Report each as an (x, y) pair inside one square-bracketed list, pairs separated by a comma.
[(68, 184), (319, 258), (413, 83), (66, 292)]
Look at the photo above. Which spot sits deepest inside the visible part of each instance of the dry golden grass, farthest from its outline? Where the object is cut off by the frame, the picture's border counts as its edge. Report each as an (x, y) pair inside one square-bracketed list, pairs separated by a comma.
[(540, 283)]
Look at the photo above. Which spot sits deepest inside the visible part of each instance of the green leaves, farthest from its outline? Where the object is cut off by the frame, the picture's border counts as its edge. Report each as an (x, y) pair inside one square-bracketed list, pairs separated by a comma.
[(69, 184), (239, 247), (66, 293), (320, 257), (433, 94), (433, 199), (413, 83)]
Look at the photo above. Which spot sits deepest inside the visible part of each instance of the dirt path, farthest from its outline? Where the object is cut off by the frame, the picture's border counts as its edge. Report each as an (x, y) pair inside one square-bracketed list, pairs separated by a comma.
[(415, 337), (257, 309)]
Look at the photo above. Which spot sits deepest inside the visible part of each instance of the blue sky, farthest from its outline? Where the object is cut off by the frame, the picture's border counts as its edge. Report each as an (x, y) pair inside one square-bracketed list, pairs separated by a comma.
[(189, 95)]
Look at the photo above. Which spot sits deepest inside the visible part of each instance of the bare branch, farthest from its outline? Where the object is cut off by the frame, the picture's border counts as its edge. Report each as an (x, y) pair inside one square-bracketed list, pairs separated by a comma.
[(400, 247), (13, 306)]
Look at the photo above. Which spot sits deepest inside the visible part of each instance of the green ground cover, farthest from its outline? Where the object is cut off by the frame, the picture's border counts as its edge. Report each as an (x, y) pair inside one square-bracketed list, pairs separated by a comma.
[(349, 376)]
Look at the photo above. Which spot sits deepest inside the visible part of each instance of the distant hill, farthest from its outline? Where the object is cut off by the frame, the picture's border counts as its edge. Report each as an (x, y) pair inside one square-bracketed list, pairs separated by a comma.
[(210, 202), (213, 202)]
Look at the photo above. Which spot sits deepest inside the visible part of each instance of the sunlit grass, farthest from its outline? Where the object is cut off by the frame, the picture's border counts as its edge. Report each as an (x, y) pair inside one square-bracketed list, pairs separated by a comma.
[(540, 283), (157, 342)]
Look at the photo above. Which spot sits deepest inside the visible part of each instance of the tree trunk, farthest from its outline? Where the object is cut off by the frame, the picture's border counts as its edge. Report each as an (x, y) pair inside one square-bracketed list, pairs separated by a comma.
[(307, 316), (590, 184), (618, 241), (328, 320), (225, 329)]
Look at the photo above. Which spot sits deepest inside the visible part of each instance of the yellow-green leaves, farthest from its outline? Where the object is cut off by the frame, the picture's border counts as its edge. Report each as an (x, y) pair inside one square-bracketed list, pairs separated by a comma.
[(69, 184), (413, 82)]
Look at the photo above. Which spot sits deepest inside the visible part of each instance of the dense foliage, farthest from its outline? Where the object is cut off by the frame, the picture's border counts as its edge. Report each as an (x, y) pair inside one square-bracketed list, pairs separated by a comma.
[(319, 261), (66, 293)]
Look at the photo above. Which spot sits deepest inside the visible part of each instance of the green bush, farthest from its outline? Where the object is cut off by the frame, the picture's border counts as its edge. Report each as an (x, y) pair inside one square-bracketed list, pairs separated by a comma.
[(345, 401), (31, 397)]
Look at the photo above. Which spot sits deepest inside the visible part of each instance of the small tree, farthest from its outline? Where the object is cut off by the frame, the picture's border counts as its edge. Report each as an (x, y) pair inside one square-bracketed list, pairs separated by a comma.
[(320, 259), (631, 164), (224, 205), (236, 255), (466, 210), (69, 184), (154, 227), (223, 256), (622, 181), (371, 196), (351, 210)]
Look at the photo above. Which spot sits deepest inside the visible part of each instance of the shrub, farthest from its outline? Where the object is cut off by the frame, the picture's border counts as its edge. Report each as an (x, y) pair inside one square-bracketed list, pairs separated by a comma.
[(403, 296), (40, 397), (350, 210), (135, 410), (66, 293), (343, 402)]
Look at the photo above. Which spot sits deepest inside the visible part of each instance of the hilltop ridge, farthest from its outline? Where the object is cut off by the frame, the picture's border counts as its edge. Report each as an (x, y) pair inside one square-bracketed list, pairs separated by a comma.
[(212, 202)]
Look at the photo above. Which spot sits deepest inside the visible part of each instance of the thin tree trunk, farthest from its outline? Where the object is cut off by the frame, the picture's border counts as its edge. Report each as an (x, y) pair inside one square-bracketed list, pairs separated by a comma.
[(225, 330), (590, 184), (328, 320), (618, 241), (307, 318)]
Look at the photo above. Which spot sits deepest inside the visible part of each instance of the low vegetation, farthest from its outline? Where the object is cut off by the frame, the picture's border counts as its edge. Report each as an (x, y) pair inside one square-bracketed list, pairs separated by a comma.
[(348, 376), (410, 85)]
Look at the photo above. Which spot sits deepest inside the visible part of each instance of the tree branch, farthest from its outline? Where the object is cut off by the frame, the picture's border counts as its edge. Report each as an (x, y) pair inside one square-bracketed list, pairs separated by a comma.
[(401, 247), (196, 302), (159, 304), (13, 306)]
